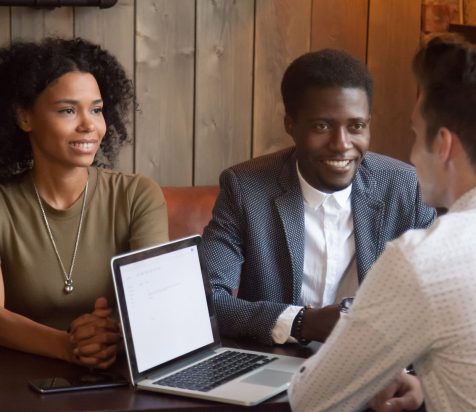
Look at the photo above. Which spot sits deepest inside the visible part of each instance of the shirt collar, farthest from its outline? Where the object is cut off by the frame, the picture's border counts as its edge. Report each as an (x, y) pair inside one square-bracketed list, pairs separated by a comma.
[(315, 198), (465, 202)]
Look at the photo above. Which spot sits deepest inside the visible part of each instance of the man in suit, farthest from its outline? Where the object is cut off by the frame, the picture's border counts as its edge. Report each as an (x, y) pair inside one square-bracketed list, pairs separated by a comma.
[(295, 231), (417, 303)]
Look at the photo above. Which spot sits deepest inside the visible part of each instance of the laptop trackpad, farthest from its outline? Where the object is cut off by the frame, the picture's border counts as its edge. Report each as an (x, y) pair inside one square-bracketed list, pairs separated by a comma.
[(269, 377)]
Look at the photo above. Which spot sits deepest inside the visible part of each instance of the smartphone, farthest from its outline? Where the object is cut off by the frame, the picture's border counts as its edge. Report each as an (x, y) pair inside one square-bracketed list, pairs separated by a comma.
[(96, 380)]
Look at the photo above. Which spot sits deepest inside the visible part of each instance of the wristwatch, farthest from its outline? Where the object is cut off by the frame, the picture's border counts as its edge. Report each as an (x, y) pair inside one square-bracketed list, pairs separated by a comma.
[(345, 304), (409, 370)]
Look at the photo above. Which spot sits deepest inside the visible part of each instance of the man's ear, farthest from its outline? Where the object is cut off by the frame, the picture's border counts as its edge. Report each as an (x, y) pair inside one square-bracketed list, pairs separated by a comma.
[(443, 143), (23, 120), (289, 125)]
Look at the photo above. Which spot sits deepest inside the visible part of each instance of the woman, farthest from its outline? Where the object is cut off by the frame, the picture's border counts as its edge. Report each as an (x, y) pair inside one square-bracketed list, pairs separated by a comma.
[(62, 104)]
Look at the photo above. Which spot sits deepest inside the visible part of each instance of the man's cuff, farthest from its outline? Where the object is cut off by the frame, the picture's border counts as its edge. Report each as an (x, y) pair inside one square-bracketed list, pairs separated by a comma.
[(281, 332)]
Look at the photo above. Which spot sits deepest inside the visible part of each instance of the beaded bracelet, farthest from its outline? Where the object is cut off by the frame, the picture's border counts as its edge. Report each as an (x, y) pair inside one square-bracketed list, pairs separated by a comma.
[(296, 329)]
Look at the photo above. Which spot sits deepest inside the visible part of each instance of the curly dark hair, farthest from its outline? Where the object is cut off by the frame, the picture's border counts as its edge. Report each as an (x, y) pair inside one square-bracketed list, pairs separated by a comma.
[(322, 69), (445, 69), (27, 68)]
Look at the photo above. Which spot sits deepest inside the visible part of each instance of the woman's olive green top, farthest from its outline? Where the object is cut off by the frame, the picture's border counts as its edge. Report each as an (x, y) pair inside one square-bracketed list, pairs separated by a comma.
[(122, 212)]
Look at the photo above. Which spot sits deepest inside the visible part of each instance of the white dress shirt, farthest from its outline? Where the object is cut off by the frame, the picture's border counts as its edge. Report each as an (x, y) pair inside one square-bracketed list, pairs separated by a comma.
[(417, 305), (329, 250)]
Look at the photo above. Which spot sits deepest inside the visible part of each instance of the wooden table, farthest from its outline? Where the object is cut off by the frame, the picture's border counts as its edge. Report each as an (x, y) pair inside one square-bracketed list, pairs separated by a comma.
[(16, 368)]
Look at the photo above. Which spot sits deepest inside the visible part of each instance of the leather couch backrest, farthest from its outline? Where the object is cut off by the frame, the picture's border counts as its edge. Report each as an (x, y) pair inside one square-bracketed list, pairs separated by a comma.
[(189, 209)]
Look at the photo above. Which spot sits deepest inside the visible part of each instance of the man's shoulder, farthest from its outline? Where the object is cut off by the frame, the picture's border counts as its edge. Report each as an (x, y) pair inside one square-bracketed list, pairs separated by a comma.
[(380, 163), (450, 235), (262, 177), (265, 163), (383, 170)]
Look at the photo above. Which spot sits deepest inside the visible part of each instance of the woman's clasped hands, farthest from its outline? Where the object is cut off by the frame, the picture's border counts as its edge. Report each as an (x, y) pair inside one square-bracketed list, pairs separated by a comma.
[(95, 337)]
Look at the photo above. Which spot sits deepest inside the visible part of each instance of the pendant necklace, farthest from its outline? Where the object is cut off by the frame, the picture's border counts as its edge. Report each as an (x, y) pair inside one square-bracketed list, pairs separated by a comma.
[(68, 279)]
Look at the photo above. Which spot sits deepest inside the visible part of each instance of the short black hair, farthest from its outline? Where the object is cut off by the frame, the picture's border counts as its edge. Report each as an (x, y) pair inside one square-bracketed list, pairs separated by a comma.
[(323, 69), (445, 69), (27, 68)]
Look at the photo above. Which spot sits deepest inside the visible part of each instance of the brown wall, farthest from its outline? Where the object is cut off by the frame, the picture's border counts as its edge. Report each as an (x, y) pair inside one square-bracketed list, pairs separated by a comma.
[(207, 72)]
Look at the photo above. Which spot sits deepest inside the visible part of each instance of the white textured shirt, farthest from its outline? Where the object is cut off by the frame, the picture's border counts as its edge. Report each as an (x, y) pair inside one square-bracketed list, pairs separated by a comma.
[(329, 249), (417, 305)]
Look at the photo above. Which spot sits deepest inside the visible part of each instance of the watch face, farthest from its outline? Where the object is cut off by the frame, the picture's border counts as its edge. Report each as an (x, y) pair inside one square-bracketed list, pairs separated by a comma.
[(345, 304)]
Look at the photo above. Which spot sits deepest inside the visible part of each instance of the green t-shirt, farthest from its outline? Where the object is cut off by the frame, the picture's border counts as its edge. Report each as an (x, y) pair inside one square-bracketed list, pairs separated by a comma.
[(122, 212)]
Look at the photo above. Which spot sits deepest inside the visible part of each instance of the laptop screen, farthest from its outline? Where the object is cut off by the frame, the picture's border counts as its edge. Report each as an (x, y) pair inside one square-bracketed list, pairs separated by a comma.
[(162, 294)]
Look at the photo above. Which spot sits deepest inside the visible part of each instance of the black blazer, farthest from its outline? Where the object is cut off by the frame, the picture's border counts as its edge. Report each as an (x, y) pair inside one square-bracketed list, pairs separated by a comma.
[(255, 240)]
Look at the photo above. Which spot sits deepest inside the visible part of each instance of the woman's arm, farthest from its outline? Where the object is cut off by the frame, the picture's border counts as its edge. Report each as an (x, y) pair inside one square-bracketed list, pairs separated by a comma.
[(20, 333)]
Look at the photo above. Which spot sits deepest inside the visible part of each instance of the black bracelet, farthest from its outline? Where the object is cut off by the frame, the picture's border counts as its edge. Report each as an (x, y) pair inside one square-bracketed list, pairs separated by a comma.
[(296, 329)]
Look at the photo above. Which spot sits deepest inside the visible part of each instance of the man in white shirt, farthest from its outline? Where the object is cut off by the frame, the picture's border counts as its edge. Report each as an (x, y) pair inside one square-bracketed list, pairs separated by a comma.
[(418, 302), (295, 231)]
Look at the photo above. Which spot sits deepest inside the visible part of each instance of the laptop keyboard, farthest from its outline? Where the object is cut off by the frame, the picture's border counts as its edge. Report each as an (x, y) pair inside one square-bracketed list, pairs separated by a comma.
[(215, 371)]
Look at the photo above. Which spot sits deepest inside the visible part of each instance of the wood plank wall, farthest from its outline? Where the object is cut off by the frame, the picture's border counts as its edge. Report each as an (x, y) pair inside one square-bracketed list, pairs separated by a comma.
[(207, 72)]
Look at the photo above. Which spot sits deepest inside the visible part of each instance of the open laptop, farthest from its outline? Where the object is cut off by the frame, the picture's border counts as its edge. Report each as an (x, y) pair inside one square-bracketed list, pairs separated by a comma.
[(171, 334)]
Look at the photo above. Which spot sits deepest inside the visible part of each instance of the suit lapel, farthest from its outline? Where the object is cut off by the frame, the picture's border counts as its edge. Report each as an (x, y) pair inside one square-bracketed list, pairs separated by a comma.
[(367, 213), (290, 208)]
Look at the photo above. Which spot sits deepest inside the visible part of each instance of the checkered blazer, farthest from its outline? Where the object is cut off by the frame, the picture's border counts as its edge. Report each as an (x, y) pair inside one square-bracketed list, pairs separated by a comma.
[(255, 240)]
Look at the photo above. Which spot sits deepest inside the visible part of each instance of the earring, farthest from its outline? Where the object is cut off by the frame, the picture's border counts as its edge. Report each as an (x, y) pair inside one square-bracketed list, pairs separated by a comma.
[(25, 125)]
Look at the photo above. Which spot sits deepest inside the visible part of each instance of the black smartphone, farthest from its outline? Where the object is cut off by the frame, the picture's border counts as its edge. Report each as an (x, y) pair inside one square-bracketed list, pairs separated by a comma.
[(95, 380)]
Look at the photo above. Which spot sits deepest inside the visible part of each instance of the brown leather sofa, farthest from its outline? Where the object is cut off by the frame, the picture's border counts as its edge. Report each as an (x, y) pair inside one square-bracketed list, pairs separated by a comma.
[(189, 209)]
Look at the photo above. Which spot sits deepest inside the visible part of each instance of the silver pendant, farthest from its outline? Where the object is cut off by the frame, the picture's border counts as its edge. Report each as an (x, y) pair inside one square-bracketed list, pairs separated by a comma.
[(68, 286)]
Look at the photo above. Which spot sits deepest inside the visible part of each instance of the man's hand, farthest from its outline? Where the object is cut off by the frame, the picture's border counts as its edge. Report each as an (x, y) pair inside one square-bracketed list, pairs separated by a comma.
[(318, 323), (403, 394), (95, 337)]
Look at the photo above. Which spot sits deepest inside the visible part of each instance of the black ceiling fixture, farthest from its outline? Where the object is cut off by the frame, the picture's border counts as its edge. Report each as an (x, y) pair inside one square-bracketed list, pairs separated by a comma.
[(49, 4)]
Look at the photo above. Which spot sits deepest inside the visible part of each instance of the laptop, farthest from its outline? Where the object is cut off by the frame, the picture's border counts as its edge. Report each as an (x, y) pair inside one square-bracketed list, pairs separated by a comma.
[(171, 333)]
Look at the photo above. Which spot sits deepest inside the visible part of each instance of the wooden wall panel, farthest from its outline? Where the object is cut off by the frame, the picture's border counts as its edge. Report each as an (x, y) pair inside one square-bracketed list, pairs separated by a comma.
[(165, 58), (114, 29), (470, 12), (32, 24), (340, 24), (394, 35), (282, 34), (205, 109), (224, 70), (4, 26)]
